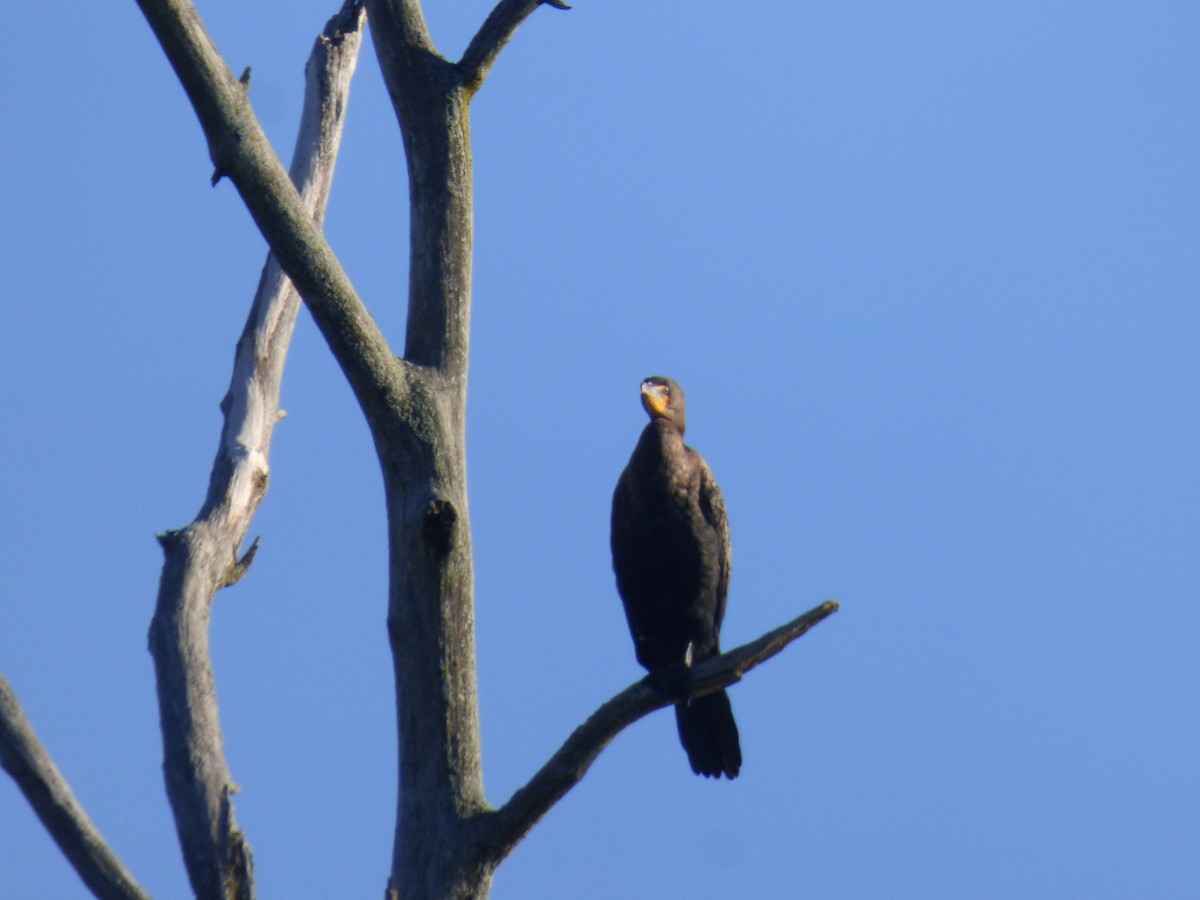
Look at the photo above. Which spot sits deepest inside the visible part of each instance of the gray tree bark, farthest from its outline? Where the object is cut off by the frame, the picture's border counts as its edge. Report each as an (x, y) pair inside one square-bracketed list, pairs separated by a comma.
[(27, 761)]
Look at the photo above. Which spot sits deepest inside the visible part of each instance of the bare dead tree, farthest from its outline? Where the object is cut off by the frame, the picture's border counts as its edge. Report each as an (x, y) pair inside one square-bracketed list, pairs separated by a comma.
[(449, 839)]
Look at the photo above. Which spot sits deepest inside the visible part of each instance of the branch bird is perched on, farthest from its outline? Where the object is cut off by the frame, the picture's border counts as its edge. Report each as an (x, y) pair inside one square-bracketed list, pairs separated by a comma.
[(671, 555)]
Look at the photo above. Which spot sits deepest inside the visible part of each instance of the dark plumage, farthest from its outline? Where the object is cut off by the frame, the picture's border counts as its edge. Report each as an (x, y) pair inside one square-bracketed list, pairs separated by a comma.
[(671, 555)]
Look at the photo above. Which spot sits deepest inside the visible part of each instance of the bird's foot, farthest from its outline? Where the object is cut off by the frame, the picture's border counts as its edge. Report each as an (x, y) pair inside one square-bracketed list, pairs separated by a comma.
[(672, 681)]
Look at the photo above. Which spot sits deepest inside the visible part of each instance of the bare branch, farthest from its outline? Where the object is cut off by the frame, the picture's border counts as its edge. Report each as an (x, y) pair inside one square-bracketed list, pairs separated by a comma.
[(26, 760), (496, 31), (506, 826), (202, 558), (240, 150)]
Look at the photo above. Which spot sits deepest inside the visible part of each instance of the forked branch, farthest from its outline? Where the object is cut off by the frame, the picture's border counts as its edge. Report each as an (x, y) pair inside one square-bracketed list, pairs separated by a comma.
[(26, 760), (507, 825)]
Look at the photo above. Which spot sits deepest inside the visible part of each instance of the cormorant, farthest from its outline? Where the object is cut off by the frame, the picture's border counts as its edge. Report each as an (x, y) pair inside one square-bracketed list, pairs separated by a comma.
[(671, 556)]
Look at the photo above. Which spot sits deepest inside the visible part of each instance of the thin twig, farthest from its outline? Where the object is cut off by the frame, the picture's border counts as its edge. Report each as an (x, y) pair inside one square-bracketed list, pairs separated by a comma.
[(25, 758), (503, 828)]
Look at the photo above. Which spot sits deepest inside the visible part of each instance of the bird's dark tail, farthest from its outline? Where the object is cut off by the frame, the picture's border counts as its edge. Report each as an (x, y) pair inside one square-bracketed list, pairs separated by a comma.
[(710, 736)]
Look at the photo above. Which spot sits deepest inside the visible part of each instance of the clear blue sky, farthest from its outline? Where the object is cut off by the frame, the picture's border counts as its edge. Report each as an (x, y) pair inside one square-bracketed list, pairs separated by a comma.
[(929, 273)]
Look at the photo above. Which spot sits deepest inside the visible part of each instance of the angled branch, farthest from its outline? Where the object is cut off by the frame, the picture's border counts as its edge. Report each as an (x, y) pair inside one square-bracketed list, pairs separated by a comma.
[(506, 826), (240, 150), (26, 760), (202, 558), (496, 31)]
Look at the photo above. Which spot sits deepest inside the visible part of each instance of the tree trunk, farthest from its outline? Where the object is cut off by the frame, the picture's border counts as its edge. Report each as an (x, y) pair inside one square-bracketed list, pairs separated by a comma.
[(431, 621)]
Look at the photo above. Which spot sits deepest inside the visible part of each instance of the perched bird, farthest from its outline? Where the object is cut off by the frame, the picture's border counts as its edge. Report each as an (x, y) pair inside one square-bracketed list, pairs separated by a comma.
[(671, 556)]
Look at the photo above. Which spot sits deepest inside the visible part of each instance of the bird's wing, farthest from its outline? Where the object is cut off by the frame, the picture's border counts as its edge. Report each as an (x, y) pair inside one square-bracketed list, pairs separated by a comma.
[(712, 507), (623, 540)]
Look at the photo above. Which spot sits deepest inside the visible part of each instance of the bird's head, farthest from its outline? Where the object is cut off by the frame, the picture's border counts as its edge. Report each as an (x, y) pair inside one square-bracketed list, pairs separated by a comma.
[(663, 399)]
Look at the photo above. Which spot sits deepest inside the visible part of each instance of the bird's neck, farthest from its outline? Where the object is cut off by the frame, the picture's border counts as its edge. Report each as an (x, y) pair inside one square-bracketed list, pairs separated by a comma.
[(661, 441)]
